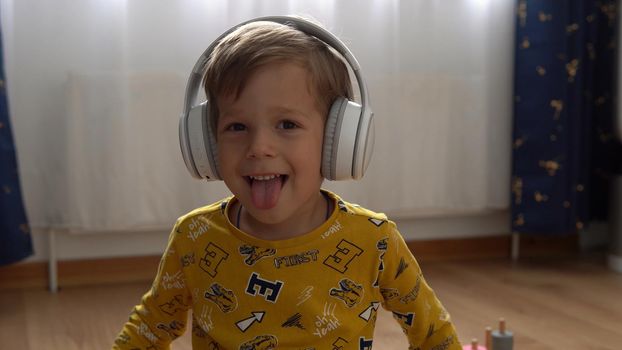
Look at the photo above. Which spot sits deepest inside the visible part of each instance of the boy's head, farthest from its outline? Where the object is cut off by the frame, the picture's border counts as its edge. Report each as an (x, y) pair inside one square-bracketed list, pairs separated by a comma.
[(241, 53), (282, 119), (252, 46)]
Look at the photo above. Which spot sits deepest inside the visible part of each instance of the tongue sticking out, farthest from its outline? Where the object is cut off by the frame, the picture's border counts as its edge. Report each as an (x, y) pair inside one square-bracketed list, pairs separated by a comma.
[(265, 193)]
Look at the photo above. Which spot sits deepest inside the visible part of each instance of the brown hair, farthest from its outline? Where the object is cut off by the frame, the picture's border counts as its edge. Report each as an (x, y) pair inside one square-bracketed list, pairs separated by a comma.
[(251, 46)]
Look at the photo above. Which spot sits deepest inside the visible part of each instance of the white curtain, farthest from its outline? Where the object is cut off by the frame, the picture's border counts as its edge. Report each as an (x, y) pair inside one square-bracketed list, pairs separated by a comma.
[(96, 89)]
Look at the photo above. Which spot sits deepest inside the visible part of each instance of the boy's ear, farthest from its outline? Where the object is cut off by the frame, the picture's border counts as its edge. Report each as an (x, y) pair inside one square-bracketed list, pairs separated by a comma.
[(198, 143), (348, 141)]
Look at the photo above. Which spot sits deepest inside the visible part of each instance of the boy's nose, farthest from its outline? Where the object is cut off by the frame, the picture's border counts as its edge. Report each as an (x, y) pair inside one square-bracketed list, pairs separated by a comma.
[(260, 145)]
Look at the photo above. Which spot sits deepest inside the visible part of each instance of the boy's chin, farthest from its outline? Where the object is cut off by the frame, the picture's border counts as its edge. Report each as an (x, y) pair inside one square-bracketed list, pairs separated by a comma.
[(271, 216)]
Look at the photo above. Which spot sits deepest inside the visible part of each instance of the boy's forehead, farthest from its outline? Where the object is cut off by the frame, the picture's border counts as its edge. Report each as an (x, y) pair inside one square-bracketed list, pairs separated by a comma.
[(280, 87)]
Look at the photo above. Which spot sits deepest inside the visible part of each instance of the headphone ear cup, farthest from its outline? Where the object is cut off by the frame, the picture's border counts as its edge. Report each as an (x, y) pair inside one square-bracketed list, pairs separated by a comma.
[(341, 132), (331, 138), (200, 143)]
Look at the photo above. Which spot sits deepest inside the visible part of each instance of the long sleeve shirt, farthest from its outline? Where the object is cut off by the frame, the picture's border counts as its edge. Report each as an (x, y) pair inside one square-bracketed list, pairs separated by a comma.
[(321, 290)]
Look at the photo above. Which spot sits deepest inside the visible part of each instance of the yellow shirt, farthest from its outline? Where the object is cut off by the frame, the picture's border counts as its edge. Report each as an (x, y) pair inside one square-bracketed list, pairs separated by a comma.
[(320, 290)]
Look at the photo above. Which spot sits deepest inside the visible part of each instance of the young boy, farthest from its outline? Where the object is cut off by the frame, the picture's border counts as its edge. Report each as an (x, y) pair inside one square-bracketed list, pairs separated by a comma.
[(282, 263)]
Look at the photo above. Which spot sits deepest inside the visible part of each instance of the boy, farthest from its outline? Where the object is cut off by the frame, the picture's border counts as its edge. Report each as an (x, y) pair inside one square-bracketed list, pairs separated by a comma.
[(282, 263)]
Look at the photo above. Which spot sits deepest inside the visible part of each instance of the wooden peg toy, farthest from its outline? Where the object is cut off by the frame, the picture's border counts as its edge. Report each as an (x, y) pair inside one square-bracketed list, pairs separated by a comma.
[(502, 339)]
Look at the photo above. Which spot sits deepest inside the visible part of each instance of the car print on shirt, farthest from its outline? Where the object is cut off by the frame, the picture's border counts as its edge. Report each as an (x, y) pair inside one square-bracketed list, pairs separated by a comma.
[(349, 292), (223, 297)]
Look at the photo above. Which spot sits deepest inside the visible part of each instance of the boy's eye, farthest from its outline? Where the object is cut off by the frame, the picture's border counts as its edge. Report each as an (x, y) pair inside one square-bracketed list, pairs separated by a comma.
[(236, 127), (287, 124)]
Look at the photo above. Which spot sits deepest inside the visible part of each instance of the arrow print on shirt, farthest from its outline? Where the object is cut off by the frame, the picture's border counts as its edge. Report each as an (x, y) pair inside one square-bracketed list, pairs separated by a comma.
[(247, 322), (367, 313)]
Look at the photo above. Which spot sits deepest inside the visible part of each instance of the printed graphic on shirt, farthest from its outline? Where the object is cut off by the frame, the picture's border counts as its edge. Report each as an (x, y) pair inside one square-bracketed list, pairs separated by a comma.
[(342, 206), (254, 253), (197, 330), (174, 329), (305, 295), (445, 344), (401, 268), (412, 295), (431, 331), (174, 281), (214, 255), (213, 346), (144, 330), (123, 339), (406, 319), (349, 292), (327, 321), (260, 342), (204, 319), (173, 306), (377, 222), (197, 227), (382, 247), (224, 298), (382, 244), (187, 260), (365, 344), (371, 312), (246, 323), (389, 293), (334, 228), (296, 259), (345, 253), (380, 269), (339, 344), (294, 321), (268, 289)]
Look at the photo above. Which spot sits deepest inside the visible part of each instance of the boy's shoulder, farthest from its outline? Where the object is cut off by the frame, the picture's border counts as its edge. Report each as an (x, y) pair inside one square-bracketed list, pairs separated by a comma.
[(357, 210), (205, 211)]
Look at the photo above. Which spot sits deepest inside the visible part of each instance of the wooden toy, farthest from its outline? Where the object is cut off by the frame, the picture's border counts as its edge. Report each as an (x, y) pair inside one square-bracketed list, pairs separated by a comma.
[(502, 339)]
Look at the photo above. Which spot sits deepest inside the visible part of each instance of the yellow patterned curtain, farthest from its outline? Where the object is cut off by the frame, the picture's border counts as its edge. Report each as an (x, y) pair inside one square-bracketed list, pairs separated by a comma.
[(564, 149)]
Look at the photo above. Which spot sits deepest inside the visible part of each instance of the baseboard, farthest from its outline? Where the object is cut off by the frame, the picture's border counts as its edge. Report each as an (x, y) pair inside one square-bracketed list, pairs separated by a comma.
[(136, 269), (80, 272), (461, 248)]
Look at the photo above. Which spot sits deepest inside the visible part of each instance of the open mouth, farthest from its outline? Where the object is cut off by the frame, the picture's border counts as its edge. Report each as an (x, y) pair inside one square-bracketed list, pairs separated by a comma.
[(266, 189)]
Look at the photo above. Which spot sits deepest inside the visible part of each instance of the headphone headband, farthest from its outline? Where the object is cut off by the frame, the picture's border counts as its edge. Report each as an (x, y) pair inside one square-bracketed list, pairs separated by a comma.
[(194, 81)]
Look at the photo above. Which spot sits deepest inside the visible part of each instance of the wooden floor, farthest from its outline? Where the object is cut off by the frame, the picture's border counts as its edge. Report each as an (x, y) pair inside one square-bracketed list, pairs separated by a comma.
[(548, 304)]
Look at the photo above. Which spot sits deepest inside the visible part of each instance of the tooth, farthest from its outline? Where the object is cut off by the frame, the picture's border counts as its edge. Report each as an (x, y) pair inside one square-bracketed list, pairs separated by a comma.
[(264, 177)]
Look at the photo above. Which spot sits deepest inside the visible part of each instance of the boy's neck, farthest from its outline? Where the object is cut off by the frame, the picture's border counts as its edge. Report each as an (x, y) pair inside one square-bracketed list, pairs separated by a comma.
[(294, 226)]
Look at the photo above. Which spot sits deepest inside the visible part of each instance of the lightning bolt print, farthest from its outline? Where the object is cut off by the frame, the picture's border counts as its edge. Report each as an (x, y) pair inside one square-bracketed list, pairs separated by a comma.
[(305, 295)]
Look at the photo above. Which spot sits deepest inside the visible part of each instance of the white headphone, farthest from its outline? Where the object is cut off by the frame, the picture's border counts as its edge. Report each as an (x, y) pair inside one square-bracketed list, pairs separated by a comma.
[(348, 133)]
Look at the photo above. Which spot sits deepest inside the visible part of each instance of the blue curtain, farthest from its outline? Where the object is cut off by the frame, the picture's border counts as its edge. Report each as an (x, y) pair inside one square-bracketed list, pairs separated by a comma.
[(564, 147), (15, 241)]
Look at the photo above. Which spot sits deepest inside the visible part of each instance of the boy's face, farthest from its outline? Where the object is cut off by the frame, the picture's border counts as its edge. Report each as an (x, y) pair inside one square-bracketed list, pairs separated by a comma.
[(270, 144)]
